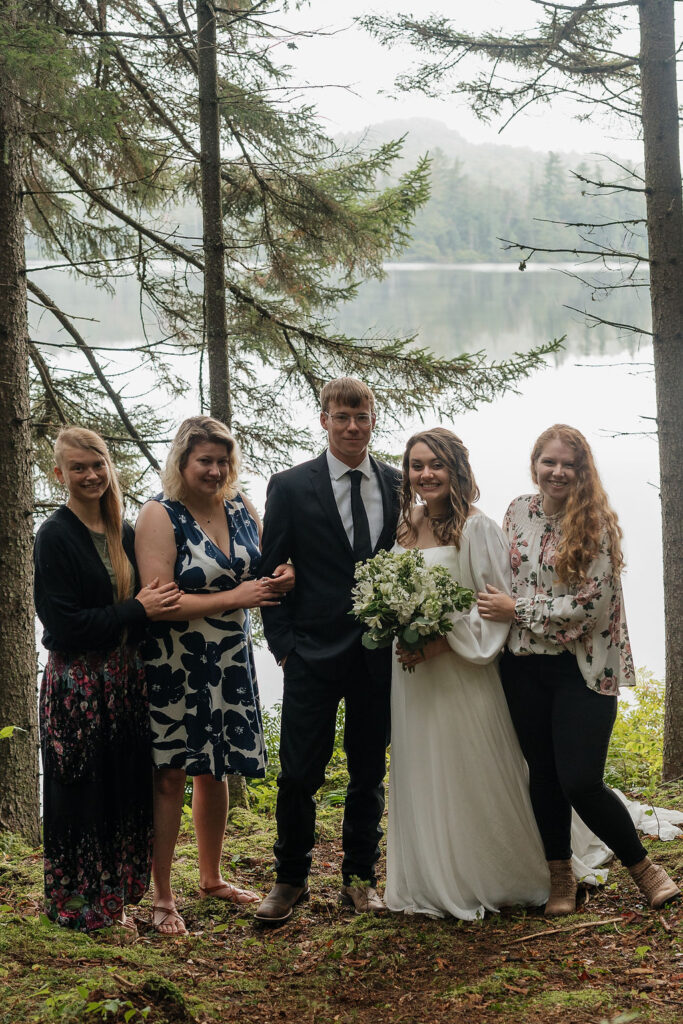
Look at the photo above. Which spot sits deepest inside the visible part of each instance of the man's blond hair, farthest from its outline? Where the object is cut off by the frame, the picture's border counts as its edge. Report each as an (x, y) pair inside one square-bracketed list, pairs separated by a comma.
[(346, 391)]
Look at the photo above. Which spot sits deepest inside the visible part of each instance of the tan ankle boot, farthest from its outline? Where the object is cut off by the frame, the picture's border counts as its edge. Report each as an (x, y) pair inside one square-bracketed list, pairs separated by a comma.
[(654, 883), (562, 899)]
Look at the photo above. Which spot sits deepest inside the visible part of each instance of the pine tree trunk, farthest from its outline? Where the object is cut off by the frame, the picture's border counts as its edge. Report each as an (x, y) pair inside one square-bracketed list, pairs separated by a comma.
[(18, 755), (665, 241), (215, 316), (237, 791)]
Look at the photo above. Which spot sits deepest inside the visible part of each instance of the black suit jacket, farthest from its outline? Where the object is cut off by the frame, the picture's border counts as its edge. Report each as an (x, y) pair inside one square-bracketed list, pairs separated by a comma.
[(302, 523)]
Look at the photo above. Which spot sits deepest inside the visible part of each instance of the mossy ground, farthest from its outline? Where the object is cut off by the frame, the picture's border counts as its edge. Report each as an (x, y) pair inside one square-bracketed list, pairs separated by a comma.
[(329, 966)]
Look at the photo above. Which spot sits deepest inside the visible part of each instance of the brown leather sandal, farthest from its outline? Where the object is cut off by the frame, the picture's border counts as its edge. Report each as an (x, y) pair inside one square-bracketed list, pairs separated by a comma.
[(231, 893), (170, 916)]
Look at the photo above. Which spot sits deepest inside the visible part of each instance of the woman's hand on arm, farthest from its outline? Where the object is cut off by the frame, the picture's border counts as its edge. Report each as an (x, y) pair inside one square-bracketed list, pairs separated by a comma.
[(251, 594), (159, 600), (495, 605), (282, 580)]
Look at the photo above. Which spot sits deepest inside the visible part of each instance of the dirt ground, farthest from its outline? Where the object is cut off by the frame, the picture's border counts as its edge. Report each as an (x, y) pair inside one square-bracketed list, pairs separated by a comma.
[(614, 961)]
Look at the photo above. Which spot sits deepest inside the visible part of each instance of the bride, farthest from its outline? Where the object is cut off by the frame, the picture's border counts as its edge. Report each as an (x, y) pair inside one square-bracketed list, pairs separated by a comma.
[(462, 837)]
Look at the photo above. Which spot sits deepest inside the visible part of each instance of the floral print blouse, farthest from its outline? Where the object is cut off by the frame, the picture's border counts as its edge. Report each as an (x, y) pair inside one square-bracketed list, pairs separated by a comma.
[(550, 616)]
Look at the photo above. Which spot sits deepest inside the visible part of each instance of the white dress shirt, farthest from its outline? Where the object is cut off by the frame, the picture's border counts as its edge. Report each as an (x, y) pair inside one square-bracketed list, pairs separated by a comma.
[(370, 491)]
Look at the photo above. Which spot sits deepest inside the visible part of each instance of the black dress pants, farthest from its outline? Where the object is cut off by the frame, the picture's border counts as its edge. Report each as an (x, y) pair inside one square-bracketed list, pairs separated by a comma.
[(564, 730), (309, 711)]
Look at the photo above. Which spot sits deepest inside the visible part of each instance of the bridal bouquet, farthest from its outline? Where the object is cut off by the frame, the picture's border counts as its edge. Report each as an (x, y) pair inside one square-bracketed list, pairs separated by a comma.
[(397, 596)]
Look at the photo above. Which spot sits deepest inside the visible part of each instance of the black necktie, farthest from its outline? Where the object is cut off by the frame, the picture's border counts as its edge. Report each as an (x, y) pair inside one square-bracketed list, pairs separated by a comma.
[(362, 547)]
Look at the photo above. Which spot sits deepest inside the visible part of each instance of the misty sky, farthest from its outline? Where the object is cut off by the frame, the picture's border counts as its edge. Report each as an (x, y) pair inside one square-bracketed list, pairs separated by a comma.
[(352, 58)]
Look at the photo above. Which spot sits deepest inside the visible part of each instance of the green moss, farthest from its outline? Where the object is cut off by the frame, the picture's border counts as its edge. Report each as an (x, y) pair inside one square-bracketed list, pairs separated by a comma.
[(584, 998), (168, 998), (494, 983)]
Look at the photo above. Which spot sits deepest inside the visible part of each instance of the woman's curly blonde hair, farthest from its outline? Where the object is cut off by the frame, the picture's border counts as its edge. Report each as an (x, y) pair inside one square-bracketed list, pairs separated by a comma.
[(448, 447), (587, 516), (192, 432)]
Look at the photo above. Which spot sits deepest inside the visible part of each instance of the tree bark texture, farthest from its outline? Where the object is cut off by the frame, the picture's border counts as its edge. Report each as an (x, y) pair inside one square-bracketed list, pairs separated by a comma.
[(237, 791), (19, 754), (665, 241), (215, 315)]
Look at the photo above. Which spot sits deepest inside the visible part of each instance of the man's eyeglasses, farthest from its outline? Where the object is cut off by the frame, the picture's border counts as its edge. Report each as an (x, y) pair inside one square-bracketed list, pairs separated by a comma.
[(342, 419)]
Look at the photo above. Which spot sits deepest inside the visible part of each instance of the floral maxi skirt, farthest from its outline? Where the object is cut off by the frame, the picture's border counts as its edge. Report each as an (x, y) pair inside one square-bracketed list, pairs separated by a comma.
[(97, 786)]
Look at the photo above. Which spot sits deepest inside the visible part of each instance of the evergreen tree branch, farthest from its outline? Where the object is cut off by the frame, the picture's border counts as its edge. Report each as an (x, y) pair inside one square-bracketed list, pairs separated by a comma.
[(617, 186), (44, 373), (155, 108), (185, 53), (97, 369), (609, 323), (179, 252), (601, 251), (609, 5)]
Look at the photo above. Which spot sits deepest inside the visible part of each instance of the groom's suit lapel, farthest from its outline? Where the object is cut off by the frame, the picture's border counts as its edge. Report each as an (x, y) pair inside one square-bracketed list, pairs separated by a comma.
[(322, 485), (389, 506)]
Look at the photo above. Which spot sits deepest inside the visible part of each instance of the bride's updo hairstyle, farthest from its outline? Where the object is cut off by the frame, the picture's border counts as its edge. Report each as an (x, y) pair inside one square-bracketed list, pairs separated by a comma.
[(192, 432), (111, 502), (464, 491), (586, 514)]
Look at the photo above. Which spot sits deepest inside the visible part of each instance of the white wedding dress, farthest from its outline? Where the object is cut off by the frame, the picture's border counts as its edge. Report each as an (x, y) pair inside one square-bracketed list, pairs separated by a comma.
[(461, 835)]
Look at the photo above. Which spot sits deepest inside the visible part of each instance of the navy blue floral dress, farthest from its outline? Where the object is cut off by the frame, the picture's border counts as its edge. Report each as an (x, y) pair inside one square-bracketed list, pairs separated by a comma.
[(203, 693)]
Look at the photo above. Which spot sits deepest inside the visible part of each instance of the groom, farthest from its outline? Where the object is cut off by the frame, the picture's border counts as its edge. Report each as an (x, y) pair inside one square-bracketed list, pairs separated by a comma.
[(326, 515)]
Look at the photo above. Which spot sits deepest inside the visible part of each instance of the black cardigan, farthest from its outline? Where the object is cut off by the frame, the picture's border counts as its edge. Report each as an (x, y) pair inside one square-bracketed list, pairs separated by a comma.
[(73, 593)]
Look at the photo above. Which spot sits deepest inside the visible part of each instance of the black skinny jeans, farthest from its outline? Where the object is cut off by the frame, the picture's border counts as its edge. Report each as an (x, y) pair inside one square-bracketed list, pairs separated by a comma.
[(564, 730)]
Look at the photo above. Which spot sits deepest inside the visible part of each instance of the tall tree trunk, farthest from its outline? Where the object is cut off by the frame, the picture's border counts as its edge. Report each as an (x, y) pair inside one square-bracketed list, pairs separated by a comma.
[(665, 240), (18, 755), (215, 316)]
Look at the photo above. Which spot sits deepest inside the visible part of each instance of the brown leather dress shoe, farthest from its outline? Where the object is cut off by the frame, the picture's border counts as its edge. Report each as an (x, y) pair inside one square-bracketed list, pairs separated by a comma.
[(363, 898), (278, 904)]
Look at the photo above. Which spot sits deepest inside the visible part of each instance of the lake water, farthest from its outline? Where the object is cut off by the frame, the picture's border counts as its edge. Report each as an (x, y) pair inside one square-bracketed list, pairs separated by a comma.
[(602, 383)]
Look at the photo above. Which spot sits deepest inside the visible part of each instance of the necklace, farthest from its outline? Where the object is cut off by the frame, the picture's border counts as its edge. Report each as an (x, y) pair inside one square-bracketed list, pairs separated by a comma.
[(201, 518)]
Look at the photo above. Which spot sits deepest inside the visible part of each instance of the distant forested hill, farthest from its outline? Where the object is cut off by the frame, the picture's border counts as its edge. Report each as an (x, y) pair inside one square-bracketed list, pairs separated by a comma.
[(481, 193)]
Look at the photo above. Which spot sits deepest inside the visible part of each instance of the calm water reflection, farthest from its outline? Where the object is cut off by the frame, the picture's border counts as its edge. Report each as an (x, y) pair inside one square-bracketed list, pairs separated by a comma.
[(500, 309)]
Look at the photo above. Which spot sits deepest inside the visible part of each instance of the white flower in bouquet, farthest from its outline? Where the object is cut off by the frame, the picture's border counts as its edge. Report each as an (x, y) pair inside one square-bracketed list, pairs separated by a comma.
[(397, 596)]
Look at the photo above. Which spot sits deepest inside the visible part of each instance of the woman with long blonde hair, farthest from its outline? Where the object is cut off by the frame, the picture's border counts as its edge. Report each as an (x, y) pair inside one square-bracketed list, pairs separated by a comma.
[(568, 654), (97, 823)]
